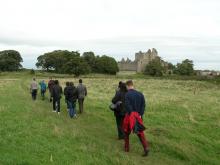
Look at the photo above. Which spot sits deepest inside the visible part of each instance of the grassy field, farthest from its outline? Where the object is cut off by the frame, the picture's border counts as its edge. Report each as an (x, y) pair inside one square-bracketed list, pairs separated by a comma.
[(182, 120)]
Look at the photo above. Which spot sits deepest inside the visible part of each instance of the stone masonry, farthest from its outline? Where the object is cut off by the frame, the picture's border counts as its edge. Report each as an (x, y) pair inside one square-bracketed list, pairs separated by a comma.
[(140, 62)]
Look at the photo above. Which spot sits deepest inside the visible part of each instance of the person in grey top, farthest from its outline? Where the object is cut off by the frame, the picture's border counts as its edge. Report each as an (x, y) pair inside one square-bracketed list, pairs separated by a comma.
[(82, 93), (33, 89)]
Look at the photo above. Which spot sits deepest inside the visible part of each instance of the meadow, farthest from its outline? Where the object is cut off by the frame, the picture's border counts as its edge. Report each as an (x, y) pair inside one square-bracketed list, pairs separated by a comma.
[(182, 119)]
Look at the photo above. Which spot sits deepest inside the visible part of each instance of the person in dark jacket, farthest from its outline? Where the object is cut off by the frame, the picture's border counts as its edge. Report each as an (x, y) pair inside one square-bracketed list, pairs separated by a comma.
[(56, 95), (82, 93), (135, 107), (71, 97), (119, 100), (50, 87), (65, 94)]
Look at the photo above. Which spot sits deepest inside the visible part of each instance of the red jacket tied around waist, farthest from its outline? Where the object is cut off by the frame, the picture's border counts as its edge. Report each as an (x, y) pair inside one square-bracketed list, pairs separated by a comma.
[(133, 123)]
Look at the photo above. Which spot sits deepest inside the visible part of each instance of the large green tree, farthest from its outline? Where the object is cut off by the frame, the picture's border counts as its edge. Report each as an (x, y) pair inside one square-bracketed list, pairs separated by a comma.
[(77, 66), (10, 60), (90, 58), (154, 68), (185, 68), (106, 64)]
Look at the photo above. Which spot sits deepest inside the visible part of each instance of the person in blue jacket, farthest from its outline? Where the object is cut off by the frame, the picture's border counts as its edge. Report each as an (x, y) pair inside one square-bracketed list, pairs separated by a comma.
[(43, 88)]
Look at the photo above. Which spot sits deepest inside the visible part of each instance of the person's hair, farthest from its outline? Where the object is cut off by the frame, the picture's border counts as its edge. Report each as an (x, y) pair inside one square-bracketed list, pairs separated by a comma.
[(67, 83), (123, 87), (71, 84), (34, 79), (129, 83), (119, 84), (56, 82), (80, 81)]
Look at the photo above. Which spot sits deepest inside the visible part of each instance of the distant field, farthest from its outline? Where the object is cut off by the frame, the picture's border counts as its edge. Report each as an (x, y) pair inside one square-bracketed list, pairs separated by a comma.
[(182, 120)]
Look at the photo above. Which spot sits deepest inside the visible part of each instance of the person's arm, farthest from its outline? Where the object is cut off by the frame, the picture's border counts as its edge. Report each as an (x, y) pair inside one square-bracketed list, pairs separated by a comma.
[(61, 90), (31, 88), (77, 93), (116, 98), (143, 105), (52, 92), (128, 107), (85, 91)]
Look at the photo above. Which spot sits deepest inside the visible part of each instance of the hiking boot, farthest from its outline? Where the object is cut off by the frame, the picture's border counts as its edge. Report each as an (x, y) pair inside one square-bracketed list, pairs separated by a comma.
[(146, 152)]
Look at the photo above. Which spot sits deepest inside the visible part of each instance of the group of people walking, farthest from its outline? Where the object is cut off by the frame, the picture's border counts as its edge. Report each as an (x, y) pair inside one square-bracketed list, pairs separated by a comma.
[(71, 93), (129, 105)]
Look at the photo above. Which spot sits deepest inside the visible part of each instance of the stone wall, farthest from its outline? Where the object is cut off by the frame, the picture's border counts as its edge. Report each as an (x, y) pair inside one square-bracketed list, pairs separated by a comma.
[(123, 66)]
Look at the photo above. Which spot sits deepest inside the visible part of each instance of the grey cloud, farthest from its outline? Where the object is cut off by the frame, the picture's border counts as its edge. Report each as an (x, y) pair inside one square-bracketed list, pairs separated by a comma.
[(202, 50)]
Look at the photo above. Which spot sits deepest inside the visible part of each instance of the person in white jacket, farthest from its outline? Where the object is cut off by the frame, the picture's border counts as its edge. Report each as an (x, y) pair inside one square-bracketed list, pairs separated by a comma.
[(33, 89)]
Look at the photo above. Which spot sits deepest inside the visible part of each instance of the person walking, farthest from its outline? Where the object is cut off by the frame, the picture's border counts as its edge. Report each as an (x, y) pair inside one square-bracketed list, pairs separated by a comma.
[(119, 112), (43, 88), (33, 89), (65, 94), (56, 95), (135, 107), (50, 87), (82, 93), (71, 97)]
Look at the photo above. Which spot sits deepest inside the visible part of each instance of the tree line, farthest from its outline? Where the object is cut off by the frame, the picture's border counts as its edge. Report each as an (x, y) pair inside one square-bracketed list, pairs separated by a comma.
[(71, 62)]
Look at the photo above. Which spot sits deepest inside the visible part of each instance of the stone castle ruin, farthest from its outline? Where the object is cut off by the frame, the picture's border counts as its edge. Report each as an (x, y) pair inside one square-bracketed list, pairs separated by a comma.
[(140, 62)]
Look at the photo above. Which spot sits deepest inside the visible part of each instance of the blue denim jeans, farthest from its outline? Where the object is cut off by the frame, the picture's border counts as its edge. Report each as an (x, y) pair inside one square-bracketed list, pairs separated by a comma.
[(72, 108)]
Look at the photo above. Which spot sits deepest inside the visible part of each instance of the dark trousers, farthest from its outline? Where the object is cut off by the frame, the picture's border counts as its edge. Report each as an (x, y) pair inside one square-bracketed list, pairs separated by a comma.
[(80, 101), (56, 105), (50, 95), (142, 139), (43, 94), (119, 121), (72, 107), (34, 94)]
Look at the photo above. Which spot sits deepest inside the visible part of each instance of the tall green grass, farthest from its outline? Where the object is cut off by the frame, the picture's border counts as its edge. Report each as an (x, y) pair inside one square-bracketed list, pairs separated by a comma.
[(182, 120)]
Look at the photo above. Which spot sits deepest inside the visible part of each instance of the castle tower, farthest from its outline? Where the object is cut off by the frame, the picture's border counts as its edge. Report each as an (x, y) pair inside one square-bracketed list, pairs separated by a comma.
[(140, 62)]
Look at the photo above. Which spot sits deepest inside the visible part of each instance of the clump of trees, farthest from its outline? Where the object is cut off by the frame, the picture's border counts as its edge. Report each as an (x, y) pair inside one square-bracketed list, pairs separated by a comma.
[(158, 67), (10, 60), (103, 64), (185, 68), (70, 62), (155, 67)]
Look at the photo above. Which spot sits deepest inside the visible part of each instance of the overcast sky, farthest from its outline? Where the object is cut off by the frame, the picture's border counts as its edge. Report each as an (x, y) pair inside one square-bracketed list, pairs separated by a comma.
[(178, 29)]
